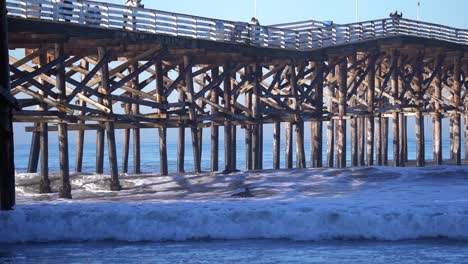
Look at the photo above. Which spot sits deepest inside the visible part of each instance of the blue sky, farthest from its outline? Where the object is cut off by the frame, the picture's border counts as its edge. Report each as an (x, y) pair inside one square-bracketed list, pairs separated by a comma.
[(448, 12)]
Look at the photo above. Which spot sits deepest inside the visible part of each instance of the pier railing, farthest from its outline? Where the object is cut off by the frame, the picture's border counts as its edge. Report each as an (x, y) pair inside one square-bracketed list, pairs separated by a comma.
[(295, 36)]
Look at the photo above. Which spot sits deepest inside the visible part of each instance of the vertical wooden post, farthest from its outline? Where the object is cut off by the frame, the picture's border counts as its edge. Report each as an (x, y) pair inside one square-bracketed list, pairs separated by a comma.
[(256, 135), (7, 166), (395, 118), (248, 128), (437, 116), (136, 130), (316, 125), (107, 101), (80, 133), (299, 129), (457, 85), (234, 129), (354, 122), (276, 144), (44, 186), (331, 122), (384, 128), (161, 98), (192, 114), (34, 151), (227, 122), (418, 89), (214, 127), (181, 137), (289, 145), (65, 188), (126, 142), (361, 140), (342, 74), (465, 71), (100, 144), (370, 118), (378, 121)]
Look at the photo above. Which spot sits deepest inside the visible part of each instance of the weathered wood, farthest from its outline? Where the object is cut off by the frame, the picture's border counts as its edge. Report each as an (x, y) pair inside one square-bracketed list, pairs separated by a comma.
[(65, 188), (341, 74), (317, 125), (7, 166), (396, 116), (370, 120), (418, 90), (80, 133), (331, 123), (276, 145), (161, 98), (181, 132), (354, 123), (256, 131), (457, 85), (248, 128), (34, 152), (214, 128), (299, 128), (192, 114), (227, 123), (289, 145), (133, 69), (465, 102), (385, 122), (44, 186), (437, 116)]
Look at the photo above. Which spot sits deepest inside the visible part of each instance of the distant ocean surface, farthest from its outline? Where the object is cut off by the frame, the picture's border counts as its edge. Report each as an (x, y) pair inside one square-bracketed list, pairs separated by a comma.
[(354, 215), (150, 155)]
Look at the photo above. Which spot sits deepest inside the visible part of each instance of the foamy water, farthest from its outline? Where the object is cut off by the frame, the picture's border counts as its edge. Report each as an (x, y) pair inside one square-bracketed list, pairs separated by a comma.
[(313, 204)]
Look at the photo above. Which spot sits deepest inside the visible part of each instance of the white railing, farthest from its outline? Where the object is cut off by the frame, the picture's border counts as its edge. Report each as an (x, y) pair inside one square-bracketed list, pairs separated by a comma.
[(305, 35)]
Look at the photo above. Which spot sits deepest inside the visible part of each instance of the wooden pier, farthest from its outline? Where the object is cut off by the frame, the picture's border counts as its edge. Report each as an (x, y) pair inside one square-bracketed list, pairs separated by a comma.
[(102, 67)]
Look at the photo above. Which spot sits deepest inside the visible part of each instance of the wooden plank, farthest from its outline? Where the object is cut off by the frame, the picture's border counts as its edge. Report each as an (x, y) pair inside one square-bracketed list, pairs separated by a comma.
[(396, 116), (134, 72), (181, 136), (456, 117), (256, 131)]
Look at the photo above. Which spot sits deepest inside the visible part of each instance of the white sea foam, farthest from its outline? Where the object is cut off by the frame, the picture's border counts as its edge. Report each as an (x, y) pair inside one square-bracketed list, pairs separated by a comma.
[(367, 203)]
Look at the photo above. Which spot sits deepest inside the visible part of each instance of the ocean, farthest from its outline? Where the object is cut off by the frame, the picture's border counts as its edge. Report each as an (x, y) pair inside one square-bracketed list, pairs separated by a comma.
[(354, 215)]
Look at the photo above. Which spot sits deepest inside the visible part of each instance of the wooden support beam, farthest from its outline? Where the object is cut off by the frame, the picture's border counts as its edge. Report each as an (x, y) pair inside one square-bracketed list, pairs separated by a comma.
[(317, 125), (396, 116), (370, 120), (276, 144), (111, 147), (456, 117), (437, 116), (419, 92), (161, 98), (299, 129), (192, 114), (354, 129), (248, 128), (331, 122), (133, 69), (44, 186), (214, 98), (465, 102), (227, 122), (341, 74), (65, 188), (80, 133), (7, 165), (256, 108), (181, 136), (34, 152)]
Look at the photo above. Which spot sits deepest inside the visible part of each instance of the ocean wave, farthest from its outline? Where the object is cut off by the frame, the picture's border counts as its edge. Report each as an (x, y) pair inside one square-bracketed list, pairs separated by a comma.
[(295, 220)]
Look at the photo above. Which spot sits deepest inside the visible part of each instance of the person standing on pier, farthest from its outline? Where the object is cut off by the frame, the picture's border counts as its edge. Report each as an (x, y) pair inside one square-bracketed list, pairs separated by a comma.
[(254, 31), (131, 3)]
